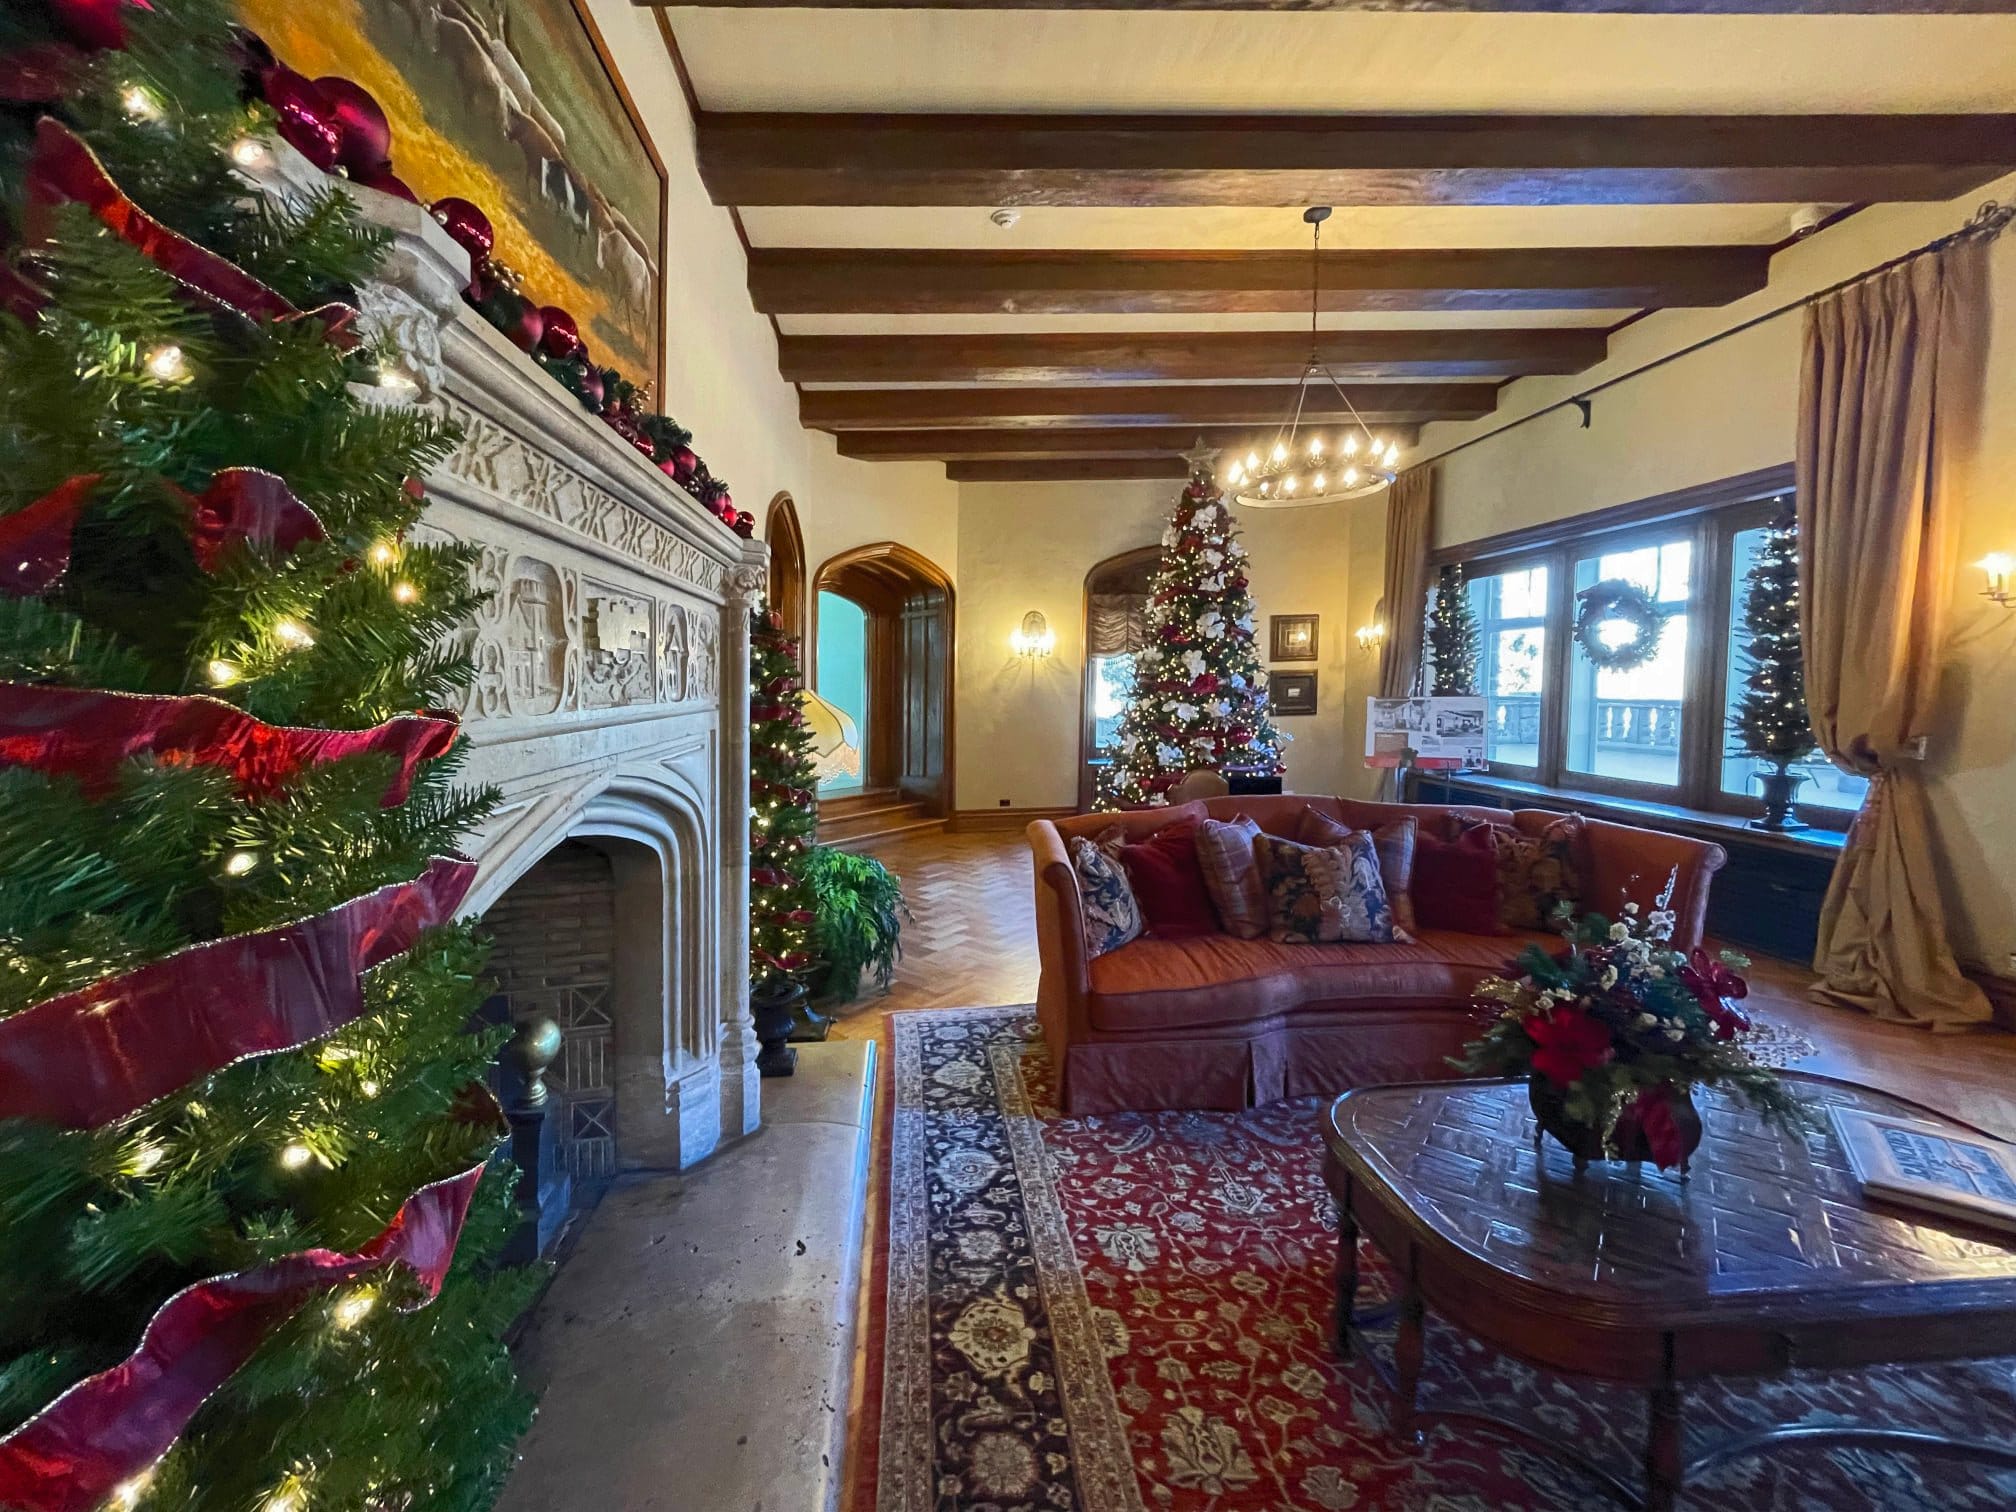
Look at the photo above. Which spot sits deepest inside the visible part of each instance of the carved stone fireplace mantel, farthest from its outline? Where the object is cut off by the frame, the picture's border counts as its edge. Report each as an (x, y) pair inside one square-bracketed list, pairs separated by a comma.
[(610, 704)]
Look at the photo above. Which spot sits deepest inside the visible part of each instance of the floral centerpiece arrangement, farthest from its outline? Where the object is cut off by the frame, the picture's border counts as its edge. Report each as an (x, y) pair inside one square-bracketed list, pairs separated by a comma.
[(1614, 1036)]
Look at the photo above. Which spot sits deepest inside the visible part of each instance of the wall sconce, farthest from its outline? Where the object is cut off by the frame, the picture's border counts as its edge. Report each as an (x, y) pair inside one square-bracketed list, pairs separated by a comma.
[(1371, 637), (1998, 565), (1035, 638)]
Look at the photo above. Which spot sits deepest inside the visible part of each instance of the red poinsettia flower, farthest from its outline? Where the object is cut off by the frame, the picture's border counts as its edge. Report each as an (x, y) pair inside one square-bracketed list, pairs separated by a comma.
[(1567, 1043), (1715, 984), (1653, 1110)]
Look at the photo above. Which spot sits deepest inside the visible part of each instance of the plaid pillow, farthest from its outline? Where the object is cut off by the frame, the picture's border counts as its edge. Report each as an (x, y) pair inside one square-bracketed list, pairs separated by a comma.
[(1232, 875), (1537, 873), (1327, 894), (1395, 844), (1112, 917)]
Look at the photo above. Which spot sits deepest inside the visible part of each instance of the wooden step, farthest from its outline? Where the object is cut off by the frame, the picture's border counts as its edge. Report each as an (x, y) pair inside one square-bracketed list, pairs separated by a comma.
[(836, 804), (906, 830), (869, 821)]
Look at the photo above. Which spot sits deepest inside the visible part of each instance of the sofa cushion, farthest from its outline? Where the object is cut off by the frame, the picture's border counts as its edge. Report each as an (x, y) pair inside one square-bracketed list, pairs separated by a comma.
[(1455, 884), (1538, 871), (1395, 844), (1214, 981), (1232, 875), (1169, 883), (1319, 894), (1112, 917)]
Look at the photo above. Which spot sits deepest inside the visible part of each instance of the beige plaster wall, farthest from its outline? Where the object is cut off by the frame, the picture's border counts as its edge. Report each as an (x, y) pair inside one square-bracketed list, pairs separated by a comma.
[(1729, 409), (1029, 546), (721, 356)]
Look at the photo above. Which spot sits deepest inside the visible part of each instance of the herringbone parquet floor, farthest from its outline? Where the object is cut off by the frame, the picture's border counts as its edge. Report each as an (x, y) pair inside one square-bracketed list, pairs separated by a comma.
[(973, 943)]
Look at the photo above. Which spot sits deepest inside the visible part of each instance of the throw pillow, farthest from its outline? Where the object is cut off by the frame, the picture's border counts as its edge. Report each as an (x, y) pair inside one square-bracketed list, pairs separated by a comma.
[(1537, 873), (1395, 844), (1112, 917), (1327, 894), (1169, 883), (1232, 875), (1455, 882)]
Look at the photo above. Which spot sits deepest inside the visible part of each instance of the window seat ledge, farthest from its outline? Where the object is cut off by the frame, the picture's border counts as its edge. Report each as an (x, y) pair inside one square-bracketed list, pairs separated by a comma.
[(1706, 824)]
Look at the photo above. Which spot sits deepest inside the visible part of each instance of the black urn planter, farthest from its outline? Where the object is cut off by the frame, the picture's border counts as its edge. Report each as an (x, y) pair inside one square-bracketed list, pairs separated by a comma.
[(773, 1006), (1628, 1140), (1779, 789)]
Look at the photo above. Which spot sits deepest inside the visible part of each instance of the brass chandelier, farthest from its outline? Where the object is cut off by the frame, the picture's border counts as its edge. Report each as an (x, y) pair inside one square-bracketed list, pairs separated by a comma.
[(1314, 463)]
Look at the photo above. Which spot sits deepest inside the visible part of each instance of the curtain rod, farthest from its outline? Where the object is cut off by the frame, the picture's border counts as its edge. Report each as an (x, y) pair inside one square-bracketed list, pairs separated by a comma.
[(1990, 220)]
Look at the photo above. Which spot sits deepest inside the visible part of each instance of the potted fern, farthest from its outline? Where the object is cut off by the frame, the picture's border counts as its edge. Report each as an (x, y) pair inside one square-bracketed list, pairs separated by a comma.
[(858, 913)]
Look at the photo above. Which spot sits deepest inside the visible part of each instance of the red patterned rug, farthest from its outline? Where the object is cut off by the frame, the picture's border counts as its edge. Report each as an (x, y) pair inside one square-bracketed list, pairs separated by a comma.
[(1131, 1314)]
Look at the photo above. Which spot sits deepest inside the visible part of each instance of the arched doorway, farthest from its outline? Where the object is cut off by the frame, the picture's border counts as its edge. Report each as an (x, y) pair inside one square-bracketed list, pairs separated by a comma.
[(905, 602), (1116, 603), (786, 590)]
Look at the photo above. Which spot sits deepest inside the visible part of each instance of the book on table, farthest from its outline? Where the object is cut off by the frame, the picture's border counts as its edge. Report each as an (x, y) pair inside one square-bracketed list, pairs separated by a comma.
[(1939, 1167)]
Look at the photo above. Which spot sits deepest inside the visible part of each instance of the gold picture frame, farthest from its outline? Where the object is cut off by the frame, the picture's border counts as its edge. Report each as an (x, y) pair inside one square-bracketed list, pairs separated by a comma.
[(1292, 637)]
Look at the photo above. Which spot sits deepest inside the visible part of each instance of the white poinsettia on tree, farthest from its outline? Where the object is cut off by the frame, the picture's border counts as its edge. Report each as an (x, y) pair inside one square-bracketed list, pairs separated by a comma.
[(1200, 693)]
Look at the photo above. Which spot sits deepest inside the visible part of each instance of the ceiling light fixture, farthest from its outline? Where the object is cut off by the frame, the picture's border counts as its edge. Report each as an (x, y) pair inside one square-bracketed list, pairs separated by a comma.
[(1296, 470)]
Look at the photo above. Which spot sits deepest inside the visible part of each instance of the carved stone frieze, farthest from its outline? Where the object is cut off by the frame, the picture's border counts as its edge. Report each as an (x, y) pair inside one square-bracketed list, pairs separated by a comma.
[(392, 315), (703, 664), (619, 660), (676, 655)]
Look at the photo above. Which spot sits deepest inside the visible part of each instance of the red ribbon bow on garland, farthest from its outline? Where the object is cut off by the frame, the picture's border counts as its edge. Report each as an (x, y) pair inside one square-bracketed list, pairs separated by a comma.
[(1714, 984)]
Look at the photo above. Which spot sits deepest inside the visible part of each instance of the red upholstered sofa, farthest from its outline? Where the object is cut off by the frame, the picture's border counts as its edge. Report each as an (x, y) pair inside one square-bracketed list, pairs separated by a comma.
[(1219, 1022)]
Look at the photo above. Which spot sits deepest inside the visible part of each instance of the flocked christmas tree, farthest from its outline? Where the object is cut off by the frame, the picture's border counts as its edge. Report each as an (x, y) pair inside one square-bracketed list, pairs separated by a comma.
[(1452, 635), (783, 805), (242, 1113), (1770, 718), (1200, 693)]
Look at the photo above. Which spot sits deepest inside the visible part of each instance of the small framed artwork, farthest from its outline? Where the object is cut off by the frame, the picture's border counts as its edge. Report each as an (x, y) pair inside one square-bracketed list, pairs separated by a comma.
[(1291, 637), (1292, 693)]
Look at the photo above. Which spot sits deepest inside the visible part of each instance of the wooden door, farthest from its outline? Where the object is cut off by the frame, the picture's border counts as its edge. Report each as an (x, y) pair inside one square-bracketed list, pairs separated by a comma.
[(925, 638)]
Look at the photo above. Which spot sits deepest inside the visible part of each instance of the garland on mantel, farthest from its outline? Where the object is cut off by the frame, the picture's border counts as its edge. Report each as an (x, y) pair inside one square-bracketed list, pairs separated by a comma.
[(338, 126)]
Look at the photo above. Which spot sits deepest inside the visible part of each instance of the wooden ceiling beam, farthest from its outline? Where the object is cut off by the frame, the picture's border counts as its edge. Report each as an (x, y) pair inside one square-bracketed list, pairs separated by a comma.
[(1038, 404), (1117, 357), (1069, 470), (1059, 442), (1280, 160), (853, 281)]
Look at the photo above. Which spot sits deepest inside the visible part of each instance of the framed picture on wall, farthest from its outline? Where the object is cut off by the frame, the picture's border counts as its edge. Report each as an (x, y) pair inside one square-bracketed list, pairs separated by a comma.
[(1292, 693), (1291, 637)]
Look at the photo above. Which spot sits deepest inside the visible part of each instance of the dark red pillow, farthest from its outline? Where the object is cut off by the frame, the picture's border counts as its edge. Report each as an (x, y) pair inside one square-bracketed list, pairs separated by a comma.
[(1169, 883), (1455, 884)]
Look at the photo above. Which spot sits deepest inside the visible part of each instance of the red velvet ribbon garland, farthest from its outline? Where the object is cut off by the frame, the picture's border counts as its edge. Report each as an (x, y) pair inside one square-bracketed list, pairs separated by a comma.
[(63, 170), (97, 1054), (242, 504), (87, 734), (110, 1427)]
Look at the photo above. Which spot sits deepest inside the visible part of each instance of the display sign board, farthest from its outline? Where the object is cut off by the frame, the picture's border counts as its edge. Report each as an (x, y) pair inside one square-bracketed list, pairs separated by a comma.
[(1436, 734)]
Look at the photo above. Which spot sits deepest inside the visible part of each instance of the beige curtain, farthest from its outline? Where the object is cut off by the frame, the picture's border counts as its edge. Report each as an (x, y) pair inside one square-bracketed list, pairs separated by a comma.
[(1888, 402), (1116, 623), (1410, 530)]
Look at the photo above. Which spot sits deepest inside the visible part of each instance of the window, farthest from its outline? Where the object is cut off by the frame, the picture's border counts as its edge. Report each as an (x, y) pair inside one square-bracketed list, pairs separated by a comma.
[(843, 672), (1627, 725), (1511, 609), (1659, 731), (1112, 683)]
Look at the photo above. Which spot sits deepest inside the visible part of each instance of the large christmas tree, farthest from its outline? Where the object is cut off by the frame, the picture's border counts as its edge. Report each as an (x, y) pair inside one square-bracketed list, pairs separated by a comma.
[(1770, 716), (249, 1193), (1200, 693)]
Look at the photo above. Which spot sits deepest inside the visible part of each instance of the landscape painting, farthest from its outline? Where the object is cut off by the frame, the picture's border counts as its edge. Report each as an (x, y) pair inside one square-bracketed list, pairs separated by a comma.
[(510, 104)]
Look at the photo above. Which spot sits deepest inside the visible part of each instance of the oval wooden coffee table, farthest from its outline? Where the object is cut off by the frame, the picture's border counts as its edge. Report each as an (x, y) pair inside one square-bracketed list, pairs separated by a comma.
[(1765, 1259)]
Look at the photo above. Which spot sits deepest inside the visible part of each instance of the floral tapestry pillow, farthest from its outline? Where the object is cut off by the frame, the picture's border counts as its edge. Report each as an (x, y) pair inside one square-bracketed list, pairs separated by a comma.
[(1395, 844), (1112, 917), (1232, 875), (1327, 894), (1537, 873)]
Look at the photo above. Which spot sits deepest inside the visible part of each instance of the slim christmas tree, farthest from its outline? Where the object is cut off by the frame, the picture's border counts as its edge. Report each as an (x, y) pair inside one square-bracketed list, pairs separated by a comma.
[(1452, 635), (783, 805), (245, 1147), (1200, 693), (1770, 719)]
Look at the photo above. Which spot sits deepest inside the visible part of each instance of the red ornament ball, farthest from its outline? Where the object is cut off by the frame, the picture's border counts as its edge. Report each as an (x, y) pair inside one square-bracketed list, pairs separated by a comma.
[(745, 524), (386, 182), (590, 387), (468, 227), (364, 135), (685, 463), (307, 120), (562, 337), (95, 25)]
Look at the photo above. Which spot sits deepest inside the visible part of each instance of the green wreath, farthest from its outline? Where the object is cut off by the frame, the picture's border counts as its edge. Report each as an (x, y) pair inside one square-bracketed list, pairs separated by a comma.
[(1611, 602)]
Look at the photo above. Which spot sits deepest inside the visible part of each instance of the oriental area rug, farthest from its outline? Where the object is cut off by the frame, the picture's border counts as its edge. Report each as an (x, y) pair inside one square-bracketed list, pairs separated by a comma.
[(1131, 1313)]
